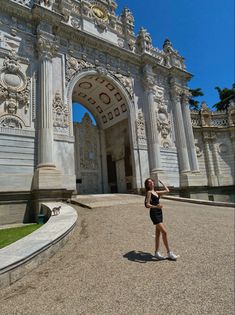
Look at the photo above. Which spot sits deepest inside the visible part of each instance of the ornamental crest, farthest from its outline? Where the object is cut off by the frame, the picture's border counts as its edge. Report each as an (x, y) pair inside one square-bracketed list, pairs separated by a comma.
[(14, 85)]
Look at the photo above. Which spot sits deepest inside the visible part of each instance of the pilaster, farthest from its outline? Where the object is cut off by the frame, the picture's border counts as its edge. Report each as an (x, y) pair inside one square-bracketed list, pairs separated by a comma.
[(189, 132), (153, 141), (181, 141), (46, 175)]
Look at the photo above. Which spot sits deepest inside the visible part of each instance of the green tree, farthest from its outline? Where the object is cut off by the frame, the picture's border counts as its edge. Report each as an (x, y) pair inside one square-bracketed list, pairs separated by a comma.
[(194, 104), (225, 95)]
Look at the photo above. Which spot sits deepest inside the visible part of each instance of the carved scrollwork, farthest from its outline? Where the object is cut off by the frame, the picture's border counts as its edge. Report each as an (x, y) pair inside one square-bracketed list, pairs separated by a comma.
[(60, 112), (126, 82), (10, 122), (163, 123), (47, 47), (74, 65), (14, 85), (140, 127)]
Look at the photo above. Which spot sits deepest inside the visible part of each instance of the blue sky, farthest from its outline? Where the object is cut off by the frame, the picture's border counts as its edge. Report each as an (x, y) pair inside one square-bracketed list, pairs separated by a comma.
[(202, 31)]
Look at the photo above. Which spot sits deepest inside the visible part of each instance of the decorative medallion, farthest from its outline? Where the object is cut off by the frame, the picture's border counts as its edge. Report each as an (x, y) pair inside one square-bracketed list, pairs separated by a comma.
[(99, 12)]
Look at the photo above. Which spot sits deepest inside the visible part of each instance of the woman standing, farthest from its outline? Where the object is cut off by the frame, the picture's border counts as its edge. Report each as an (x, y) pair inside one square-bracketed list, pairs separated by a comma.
[(152, 202)]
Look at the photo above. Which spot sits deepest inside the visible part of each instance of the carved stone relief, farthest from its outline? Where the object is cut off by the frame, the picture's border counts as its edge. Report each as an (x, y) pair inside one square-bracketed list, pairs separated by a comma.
[(7, 121), (140, 127), (74, 66), (163, 122), (60, 113), (14, 86)]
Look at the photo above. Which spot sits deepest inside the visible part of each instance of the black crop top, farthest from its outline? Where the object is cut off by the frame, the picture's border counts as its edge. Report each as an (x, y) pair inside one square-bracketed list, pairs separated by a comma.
[(154, 200)]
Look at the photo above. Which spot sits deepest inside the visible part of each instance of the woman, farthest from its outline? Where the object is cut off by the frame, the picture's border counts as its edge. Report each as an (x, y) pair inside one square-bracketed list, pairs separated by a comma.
[(152, 202)]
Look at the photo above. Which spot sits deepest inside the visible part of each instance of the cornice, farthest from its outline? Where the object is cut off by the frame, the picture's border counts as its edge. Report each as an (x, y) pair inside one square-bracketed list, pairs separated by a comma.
[(177, 72), (63, 30)]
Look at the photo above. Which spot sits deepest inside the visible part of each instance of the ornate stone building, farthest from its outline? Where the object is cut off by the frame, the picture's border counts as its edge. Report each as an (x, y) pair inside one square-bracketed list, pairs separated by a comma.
[(54, 53)]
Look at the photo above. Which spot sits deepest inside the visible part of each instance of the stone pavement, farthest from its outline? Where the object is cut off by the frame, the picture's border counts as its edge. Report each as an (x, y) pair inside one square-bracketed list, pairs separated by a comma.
[(107, 267)]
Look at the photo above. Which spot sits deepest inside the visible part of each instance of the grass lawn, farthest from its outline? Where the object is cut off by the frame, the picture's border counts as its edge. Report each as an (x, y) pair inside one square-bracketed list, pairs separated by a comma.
[(8, 236)]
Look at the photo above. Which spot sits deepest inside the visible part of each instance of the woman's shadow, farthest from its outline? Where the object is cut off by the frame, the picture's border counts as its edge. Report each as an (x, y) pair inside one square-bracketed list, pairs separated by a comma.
[(140, 257)]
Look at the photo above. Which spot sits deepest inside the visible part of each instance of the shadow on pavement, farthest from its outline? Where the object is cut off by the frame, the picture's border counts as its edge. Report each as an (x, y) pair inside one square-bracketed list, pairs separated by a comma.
[(139, 257)]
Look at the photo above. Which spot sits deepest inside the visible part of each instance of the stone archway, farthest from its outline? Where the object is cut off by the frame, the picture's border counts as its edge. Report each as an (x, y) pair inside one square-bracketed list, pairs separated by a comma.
[(103, 160)]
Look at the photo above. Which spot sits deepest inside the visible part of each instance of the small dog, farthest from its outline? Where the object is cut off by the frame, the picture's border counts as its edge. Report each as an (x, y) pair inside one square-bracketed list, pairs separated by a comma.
[(56, 210)]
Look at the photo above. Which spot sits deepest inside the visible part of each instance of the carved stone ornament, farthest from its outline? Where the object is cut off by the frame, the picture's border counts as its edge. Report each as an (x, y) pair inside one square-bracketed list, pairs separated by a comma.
[(149, 84), (14, 85), (60, 112), (140, 127), (47, 47), (125, 81), (46, 3), (73, 66), (205, 115), (176, 93), (172, 57), (76, 23), (10, 122), (100, 15), (144, 41), (127, 19), (163, 123), (198, 150)]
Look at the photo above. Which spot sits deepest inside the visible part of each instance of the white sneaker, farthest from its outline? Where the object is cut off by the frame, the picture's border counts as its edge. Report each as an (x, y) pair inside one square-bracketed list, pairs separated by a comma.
[(159, 256), (171, 255)]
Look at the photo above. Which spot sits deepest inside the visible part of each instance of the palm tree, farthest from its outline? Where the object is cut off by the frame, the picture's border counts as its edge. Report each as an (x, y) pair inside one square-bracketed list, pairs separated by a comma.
[(194, 104), (225, 95)]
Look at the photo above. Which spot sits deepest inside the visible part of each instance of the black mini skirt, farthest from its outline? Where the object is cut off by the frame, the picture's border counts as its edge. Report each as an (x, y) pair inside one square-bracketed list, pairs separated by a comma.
[(156, 215)]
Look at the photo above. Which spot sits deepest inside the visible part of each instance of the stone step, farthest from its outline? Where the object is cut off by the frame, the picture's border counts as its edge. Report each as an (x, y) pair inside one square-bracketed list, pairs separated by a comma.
[(106, 200)]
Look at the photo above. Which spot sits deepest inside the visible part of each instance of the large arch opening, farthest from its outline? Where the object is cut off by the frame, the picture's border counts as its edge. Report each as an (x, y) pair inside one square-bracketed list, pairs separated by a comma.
[(103, 161)]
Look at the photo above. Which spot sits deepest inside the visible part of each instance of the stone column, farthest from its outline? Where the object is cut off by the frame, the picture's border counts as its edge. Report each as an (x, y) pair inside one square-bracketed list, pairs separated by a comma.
[(118, 155), (46, 49), (121, 176), (152, 131), (46, 175), (212, 180), (181, 142), (189, 133), (104, 162)]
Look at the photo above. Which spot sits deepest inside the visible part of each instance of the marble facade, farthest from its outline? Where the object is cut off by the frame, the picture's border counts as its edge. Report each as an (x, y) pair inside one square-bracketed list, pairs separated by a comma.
[(54, 53)]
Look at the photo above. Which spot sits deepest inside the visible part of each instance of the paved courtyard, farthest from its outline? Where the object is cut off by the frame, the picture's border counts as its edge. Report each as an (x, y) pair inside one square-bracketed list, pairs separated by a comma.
[(107, 267)]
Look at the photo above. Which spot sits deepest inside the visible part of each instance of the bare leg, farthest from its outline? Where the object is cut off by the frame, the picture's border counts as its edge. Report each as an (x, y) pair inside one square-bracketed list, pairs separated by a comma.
[(157, 239), (162, 229)]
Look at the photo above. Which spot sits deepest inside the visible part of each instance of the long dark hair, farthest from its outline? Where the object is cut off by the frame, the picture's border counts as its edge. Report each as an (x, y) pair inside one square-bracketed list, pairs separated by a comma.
[(146, 184)]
